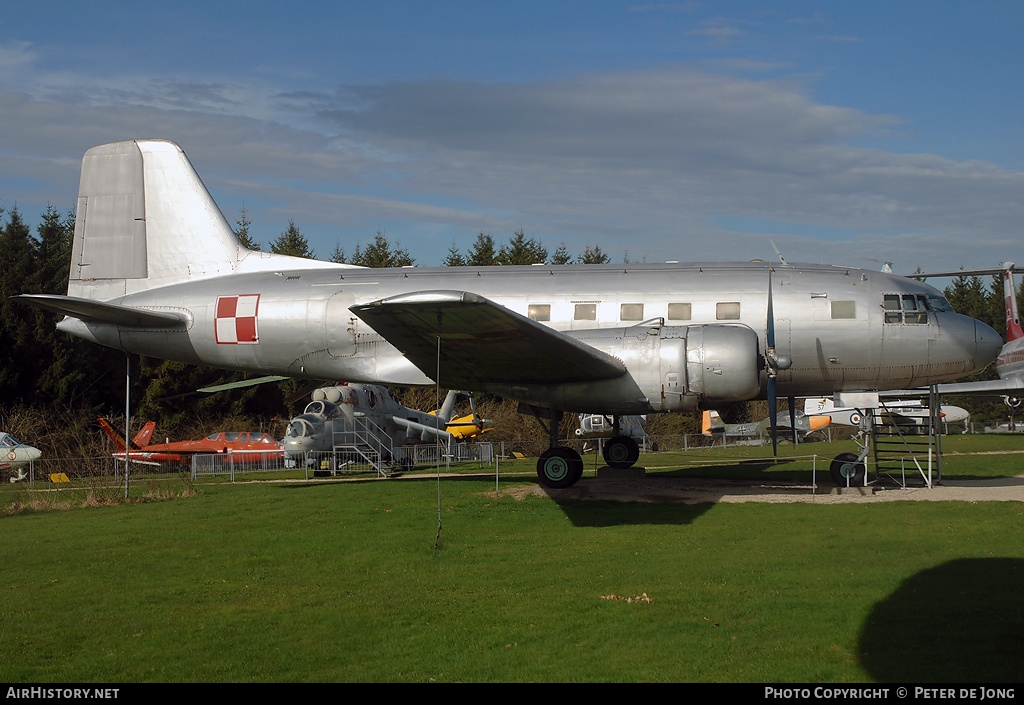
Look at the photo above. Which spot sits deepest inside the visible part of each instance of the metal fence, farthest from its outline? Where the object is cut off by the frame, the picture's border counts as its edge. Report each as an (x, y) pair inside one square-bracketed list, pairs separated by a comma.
[(59, 471), (62, 472)]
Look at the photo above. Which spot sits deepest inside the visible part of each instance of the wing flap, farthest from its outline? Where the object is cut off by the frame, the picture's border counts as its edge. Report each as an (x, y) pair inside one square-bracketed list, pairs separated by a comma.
[(482, 341)]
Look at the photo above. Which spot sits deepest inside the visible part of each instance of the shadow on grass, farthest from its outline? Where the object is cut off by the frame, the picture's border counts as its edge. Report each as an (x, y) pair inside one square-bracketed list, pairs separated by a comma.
[(962, 621), (600, 513)]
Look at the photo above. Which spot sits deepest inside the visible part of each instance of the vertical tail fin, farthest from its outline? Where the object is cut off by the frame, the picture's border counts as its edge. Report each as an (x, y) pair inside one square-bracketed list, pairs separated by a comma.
[(143, 437), (447, 410), (116, 437), (145, 219), (1013, 327), (711, 422)]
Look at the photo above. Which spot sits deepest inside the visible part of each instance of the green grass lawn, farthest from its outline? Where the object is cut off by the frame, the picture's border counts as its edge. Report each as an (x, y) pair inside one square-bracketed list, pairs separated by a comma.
[(342, 582)]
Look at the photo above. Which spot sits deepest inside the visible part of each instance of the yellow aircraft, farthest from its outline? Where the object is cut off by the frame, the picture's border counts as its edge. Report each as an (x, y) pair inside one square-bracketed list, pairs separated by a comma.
[(469, 426)]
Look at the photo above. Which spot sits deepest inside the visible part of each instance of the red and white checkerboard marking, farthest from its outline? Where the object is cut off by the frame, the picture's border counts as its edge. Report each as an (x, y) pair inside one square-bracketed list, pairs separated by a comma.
[(235, 322)]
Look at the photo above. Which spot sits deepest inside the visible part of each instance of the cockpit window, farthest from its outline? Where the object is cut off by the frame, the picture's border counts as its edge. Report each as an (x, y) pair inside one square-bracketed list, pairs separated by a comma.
[(324, 408), (906, 308), (305, 425), (9, 441), (939, 303)]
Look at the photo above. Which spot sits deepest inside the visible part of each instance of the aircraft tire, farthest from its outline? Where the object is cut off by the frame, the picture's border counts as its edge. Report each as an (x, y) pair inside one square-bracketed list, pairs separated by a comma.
[(846, 471), (621, 452), (559, 467)]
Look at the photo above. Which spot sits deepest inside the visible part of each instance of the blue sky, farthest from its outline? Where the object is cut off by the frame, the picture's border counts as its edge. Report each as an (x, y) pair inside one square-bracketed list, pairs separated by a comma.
[(842, 132)]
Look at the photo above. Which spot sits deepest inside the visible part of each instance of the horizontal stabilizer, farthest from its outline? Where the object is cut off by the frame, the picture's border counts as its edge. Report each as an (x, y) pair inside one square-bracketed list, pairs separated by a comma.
[(482, 342), (89, 310)]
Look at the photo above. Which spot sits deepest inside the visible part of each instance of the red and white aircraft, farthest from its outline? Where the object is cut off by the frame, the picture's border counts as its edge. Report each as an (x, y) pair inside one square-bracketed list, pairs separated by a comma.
[(1010, 361), (241, 446)]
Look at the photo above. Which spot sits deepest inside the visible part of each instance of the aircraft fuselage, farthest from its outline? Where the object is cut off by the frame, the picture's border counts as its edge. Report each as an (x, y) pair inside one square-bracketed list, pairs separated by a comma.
[(844, 328)]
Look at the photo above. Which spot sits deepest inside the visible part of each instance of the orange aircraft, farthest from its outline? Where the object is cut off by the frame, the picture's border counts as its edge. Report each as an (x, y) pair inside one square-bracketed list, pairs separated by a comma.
[(240, 446)]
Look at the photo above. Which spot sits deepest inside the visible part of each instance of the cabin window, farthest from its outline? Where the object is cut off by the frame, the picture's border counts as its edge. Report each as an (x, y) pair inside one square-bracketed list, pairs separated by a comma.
[(906, 308), (891, 305), (844, 309), (631, 312), (540, 312), (728, 311), (585, 312), (679, 312)]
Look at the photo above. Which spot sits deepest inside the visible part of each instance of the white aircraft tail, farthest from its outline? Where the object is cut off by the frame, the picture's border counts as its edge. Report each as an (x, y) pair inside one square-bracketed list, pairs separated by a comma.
[(144, 219), (818, 405)]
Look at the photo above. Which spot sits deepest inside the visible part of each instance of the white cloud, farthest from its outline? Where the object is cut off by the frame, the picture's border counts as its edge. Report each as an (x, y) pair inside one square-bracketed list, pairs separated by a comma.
[(652, 156)]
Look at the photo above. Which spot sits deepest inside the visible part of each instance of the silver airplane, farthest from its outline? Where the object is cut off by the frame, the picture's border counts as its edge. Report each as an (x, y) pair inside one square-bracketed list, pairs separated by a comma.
[(156, 270)]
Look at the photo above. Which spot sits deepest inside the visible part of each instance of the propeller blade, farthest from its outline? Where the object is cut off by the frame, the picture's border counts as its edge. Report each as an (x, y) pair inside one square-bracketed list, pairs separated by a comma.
[(769, 362)]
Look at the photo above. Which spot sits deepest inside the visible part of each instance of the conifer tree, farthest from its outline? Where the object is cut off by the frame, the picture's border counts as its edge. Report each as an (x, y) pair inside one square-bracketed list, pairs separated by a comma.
[(454, 258), (380, 253), (292, 242), (18, 361), (482, 254), (561, 255), (521, 250), (594, 255), (242, 231)]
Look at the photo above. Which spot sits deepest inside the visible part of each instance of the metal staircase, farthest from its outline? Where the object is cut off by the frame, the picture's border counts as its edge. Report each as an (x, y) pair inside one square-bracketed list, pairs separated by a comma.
[(903, 452), (366, 443)]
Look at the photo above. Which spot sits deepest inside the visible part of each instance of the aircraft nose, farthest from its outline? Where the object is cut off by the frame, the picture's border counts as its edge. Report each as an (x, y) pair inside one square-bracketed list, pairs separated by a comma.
[(987, 344)]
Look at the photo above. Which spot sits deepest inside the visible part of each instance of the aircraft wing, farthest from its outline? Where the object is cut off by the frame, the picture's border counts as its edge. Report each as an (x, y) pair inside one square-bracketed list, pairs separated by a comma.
[(993, 387), (481, 341)]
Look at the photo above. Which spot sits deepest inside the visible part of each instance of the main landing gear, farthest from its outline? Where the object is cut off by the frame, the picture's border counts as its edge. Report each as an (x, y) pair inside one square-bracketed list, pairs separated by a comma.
[(621, 451), (560, 466)]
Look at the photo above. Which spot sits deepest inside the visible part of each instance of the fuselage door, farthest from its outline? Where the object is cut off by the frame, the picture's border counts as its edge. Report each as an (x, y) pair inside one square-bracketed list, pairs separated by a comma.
[(341, 324)]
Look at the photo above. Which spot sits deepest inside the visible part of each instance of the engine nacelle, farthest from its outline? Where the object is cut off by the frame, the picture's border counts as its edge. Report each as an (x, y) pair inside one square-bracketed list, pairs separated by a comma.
[(678, 368)]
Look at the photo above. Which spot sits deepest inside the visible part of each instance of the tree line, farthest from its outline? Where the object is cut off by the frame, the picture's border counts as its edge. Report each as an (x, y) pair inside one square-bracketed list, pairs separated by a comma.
[(59, 375)]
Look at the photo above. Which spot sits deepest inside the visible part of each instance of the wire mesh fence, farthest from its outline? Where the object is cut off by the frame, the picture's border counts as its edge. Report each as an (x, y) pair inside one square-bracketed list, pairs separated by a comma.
[(59, 472)]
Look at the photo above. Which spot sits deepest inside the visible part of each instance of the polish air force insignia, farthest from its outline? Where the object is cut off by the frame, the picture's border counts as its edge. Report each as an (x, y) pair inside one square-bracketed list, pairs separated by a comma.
[(235, 322)]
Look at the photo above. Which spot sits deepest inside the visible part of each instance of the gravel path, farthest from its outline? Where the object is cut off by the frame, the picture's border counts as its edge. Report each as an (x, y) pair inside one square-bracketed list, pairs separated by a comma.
[(634, 486)]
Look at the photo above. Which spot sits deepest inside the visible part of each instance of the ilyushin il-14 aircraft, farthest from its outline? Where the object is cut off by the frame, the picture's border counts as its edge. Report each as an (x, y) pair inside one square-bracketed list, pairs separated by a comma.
[(156, 270)]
